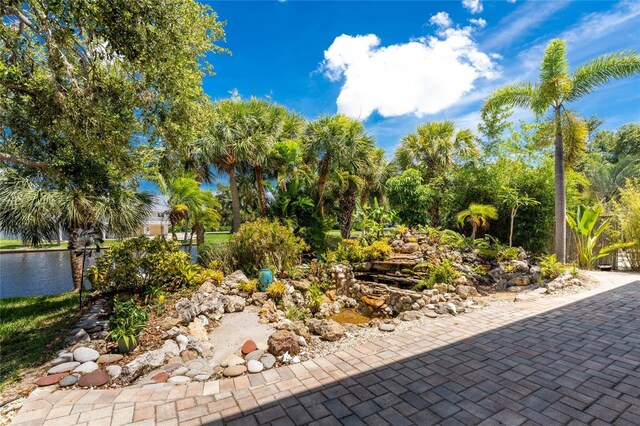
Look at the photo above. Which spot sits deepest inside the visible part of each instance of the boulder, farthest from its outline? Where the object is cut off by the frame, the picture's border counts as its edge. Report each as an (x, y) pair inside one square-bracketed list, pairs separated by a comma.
[(328, 330), (197, 330), (466, 291), (408, 248), (212, 306), (149, 361), (83, 354), (283, 341), (186, 310), (235, 304), (234, 279)]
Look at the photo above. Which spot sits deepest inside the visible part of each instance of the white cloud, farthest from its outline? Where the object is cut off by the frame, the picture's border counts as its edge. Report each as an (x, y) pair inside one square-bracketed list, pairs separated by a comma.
[(480, 23), (441, 19), (474, 6), (420, 77)]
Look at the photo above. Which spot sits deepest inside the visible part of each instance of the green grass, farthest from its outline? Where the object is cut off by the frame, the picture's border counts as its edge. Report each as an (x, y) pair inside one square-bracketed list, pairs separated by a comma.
[(17, 245), (217, 238), (32, 330)]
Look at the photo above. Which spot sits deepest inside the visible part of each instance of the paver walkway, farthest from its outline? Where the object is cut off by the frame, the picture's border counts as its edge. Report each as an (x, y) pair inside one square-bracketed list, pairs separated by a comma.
[(557, 360)]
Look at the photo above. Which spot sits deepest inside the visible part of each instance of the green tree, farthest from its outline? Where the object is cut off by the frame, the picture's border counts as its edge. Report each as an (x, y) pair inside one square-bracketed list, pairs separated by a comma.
[(36, 213), (477, 216), (410, 197), (515, 201), (615, 145), (556, 88)]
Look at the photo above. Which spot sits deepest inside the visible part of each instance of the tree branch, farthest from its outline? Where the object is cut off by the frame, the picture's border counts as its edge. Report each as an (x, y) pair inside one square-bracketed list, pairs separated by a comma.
[(10, 158)]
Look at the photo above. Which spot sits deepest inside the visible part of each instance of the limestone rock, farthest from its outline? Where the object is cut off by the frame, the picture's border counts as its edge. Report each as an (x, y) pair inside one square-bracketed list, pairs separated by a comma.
[(186, 310), (234, 370), (149, 361), (234, 279), (254, 366), (283, 341), (466, 291), (197, 330), (235, 304), (328, 330), (410, 315)]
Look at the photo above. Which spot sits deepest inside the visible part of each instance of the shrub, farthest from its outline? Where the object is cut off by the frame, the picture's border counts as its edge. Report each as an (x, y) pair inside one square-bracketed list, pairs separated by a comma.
[(127, 318), (550, 268), (248, 286), (213, 275), (627, 210), (357, 251), (294, 313), (276, 290), (263, 244), (444, 273), (509, 253), (314, 297), (140, 262), (216, 256)]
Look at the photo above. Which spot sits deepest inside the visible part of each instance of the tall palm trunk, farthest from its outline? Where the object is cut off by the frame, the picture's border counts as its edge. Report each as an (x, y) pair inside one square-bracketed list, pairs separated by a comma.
[(235, 200), (347, 206), (260, 184), (76, 261), (513, 218), (323, 176), (561, 200), (199, 229)]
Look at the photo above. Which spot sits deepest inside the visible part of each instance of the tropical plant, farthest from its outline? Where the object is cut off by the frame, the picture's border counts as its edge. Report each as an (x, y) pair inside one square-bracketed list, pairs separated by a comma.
[(587, 230), (442, 273), (556, 88), (216, 256), (294, 313), (314, 297), (276, 290), (370, 220), (358, 251), (477, 216), (627, 211), (550, 268), (514, 201), (410, 197), (250, 286)]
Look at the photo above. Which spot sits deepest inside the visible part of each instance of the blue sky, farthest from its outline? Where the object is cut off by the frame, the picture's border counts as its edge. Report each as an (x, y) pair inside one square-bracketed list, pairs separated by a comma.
[(397, 64)]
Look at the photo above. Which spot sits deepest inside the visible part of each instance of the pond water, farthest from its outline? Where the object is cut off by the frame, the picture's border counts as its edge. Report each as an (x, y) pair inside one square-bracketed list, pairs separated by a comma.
[(38, 273)]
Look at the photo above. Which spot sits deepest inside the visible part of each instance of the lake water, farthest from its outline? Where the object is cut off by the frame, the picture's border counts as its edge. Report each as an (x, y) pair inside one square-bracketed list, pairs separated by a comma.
[(38, 273)]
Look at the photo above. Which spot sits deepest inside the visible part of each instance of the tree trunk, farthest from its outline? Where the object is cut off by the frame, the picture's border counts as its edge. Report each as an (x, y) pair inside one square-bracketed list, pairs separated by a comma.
[(260, 184), (323, 176), (560, 195), (513, 218), (474, 227), (76, 261), (347, 206), (235, 200), (200, 233)]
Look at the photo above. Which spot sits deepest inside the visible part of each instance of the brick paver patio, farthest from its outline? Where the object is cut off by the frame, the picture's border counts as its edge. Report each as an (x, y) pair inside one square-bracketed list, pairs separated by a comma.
[(557, 360)]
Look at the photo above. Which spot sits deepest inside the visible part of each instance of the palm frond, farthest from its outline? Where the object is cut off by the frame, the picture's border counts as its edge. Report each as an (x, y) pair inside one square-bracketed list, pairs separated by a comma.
[(601, 70), (511, 95)]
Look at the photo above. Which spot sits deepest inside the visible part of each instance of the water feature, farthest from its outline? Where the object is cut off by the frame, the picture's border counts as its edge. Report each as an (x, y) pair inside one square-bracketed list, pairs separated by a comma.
[(38, 273)]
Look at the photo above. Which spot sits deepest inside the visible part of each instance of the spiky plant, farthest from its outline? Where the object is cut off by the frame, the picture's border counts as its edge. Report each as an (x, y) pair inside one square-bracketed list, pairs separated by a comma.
[(477, 216)]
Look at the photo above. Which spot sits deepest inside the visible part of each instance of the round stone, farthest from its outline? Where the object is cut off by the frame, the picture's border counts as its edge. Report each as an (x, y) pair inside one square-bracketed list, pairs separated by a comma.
[(254, 366), (386, 326), (232, 360), (248, 347), (83, 354), (172, 367), (161, 377), (234, 370), (114, 371), (179, 379), (70, 380), (179, 371), (86, 367), (51, 379), (201, 377), (431, 314), (62, 368), (257, 354), (62, 358), (97, 378), (109, 358), (268, 360)]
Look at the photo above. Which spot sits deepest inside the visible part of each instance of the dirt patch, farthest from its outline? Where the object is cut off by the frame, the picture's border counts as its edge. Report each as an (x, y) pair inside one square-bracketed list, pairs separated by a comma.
[(350, 316)]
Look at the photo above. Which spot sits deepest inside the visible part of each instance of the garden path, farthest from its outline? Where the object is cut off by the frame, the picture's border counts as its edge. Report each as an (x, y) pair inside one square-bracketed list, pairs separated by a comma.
[(556, 360)]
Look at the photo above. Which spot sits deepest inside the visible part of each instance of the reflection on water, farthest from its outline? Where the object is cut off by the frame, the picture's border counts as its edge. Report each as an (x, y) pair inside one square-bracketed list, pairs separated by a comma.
[(38, 273)]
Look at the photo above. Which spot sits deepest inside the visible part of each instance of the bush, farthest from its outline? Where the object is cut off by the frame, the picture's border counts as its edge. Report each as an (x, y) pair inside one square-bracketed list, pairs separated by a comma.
[(265, 244), (509, 253), (214, 275), (443, 273), (294, 313), (127, 318), (410, 197), (627, 210), (276, 290), (216, 256), (248, 286), (314, 297), (358, 251), (137, 263), (550, 268)]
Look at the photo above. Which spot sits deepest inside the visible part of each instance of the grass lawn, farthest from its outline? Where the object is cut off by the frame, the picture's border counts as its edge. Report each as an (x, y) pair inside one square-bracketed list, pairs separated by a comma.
[(32, 330), (217, 238), (17, 245)]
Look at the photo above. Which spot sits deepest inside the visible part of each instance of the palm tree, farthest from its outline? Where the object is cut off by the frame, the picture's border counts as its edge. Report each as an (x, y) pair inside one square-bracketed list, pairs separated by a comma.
[(556, 88), (330, 140), (477, 216), (37, 212), (434, 147)]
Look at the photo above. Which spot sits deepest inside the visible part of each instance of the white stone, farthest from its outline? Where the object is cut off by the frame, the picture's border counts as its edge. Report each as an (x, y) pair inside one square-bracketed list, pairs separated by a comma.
[(86, 367), (83, 354), (386, 326), (254, 366), (182, 341), (114, 371), (179, 379), (302, 341), (295, 359), (286, 357), (231, 360)]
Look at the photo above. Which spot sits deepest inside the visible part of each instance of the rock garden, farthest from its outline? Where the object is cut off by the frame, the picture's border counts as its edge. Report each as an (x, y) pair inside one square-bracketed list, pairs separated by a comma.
[(207, 322)]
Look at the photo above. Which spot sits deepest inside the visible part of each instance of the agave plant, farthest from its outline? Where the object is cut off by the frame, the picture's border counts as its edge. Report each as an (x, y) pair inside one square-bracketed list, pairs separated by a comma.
[(586, 231)]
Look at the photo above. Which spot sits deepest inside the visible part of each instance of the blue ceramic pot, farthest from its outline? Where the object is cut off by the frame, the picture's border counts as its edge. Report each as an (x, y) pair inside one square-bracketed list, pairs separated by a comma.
[(265, 278)]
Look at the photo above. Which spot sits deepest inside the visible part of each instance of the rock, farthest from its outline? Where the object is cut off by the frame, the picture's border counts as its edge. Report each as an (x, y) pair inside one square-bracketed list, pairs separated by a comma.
[(197, 330), (168, 323), (172, 367), (67, 357), (180, 371), (69, 380), (328, 330), (188, 355), (283, 341), (540, 290), (161, 377), (375, 302), (109, 358), (268, 313), (88, 324), (430, 314), (86, 367), (453, 310), (179, 379), (182, 342), (51, 379), (213, 306), (231, 360), (186, 310), (460, 281), (203, 320), (235, 304), (96, 378), (410, 315), (149, 361), (77, 335), (248, 347), (114, 371), (201, 377), (384, 326), (466, 291), (64, 367), (286, 357), (268, 360), (520, 281), (302, 341), (234, 279), (255, 355), (295, 359), (254, 366), (234, 370), (408, 248)]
